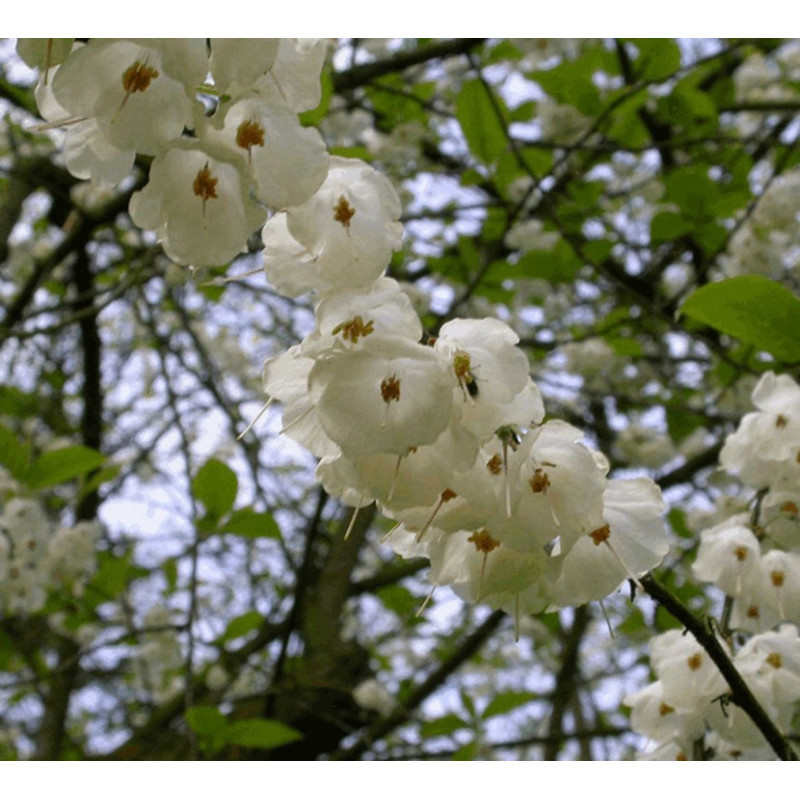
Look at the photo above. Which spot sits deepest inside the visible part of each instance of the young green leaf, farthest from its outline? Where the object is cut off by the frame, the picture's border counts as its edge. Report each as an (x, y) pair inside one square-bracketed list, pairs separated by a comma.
[(60, 466), (759, 311), (478, 116), (215, 486), (263, 734)]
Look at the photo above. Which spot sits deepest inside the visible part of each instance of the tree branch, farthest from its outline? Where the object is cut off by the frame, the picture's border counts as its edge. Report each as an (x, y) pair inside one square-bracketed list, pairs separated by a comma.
[(740, 693)]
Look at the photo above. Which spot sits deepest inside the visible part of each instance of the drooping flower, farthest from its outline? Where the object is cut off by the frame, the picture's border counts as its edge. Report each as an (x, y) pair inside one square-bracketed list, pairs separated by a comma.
[(766, 440), (199, 205), (388, 397), (287, 161), (135, 89), (342, 236)]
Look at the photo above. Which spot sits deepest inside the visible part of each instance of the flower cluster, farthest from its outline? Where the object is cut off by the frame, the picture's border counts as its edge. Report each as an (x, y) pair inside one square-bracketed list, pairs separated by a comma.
[(686, 706), (754, 558), (447, 433), (35, 557), (219, 123)]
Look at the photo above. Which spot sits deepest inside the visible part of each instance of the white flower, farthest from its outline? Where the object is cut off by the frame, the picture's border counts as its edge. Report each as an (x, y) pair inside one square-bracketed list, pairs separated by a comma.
[(558, 493), (369, 694), (689, 677), (236, 64), (135, 89), (766, 440), (729, 557), (388, 397), (343, 235), (287, 161), (200, 206), (346, 319), (632, 542), (652, 716), (285, 379), (296, 71), (44, 54)]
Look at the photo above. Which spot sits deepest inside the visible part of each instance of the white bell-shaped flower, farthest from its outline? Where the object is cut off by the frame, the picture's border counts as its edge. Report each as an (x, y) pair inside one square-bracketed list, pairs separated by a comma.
[(766, 438), (200, 206), (296, 71), (559, 489), (88, 153), (287, 161), (689, 676), (632, 542), (346, 319), (285, 379), (343, 235), (135, 89), (729, 556), (388, 397), (654, 717), (236, 64), (44, 54), (493, 387)]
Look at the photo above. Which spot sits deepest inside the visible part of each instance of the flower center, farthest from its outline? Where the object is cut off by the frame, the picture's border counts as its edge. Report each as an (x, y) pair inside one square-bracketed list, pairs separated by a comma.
[(484, 542), (495, 464), (343, 212), (137, 78), (249, 134), (539, 481), (463, 370), (740, 553), (390, 389), (353, 329), (205, 186), (601, 535)]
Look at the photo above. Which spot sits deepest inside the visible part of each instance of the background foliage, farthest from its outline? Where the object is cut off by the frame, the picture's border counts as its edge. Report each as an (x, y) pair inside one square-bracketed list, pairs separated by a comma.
[(612, 200)]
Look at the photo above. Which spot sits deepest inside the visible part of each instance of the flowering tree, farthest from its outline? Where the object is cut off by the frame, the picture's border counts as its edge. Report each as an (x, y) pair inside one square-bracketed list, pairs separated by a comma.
[(400, 399)]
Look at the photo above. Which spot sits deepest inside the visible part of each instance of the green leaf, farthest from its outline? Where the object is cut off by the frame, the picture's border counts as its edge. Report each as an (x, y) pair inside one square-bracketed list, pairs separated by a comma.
[(557, 265), (667, 226), (690, 109), (680, 421), (677, 521), (242, 625), (15, 455), (759, 311), (113, 575), (478, 116), (400, 600), (60, 466), (467, 752), (658, 58), (170, 567), (692, 190), (504, 702), (215, 486), (252, 524), (263, 734), (626, 126), (206, 720), (100, 477), (444, 726)]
